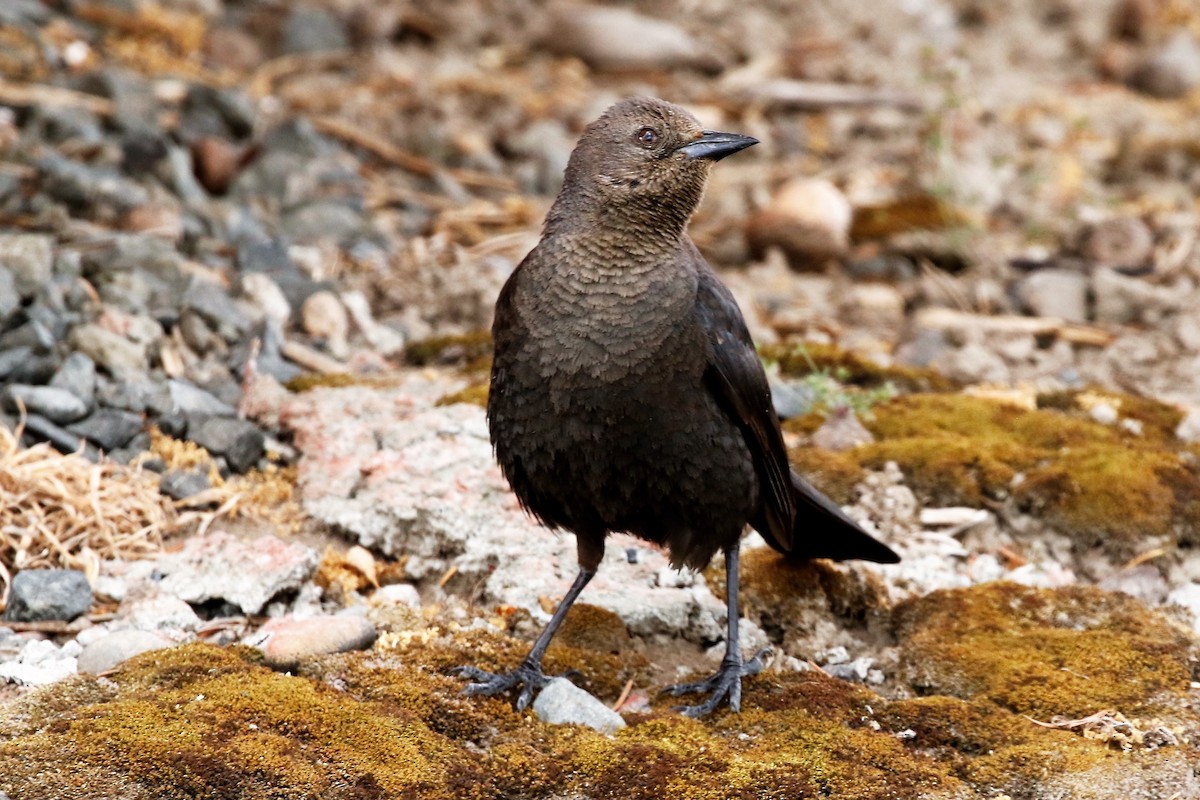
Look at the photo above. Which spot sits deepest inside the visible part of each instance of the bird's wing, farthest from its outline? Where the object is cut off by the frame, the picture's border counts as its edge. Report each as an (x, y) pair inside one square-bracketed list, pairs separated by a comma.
[(736, 378)]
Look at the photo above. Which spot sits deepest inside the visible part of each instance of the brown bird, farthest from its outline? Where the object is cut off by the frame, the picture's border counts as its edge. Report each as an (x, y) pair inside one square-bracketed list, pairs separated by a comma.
[(626, 393)]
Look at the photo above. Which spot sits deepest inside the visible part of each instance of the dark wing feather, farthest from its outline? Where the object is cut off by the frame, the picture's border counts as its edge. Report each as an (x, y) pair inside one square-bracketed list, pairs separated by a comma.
[(736, 378)]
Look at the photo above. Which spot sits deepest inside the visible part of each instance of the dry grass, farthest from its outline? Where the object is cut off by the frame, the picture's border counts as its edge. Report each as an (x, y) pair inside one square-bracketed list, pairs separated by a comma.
[(64, 511)]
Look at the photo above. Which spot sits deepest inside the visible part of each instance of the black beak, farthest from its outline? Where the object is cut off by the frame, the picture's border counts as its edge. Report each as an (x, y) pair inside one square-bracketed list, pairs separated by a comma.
[(714, 145)]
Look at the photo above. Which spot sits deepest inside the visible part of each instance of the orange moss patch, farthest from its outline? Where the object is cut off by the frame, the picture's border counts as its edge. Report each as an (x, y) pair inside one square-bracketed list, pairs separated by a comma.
[(471, 350), (1071, 651), (1098, 483)]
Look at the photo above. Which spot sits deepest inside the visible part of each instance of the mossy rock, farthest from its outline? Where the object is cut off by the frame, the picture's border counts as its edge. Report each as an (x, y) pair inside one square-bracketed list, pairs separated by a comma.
[(476, 394), (470, 350), (798, 359), (203, 722), (1069, 652), (1100, 484)]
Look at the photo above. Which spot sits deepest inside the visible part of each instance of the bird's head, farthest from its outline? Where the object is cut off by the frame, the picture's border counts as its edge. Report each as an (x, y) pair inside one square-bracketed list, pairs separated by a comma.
[(644, 162)]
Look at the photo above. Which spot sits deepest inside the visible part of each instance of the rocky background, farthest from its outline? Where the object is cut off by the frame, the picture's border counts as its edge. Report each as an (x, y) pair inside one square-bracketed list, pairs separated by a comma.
[(249, 519)]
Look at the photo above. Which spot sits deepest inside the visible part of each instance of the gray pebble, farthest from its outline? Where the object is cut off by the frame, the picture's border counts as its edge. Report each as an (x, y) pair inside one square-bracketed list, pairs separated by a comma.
[(108, 428), (323, 219), (40, 429), (1055, 292), (48, 594), (12, 358), (563, 703), (29, 257), (10, 298), (109, 651), (77, 375), (190, 399), (84, 187), (312, 30), (179, 484), (1173, 71), (789, 398), (122, 358), (214, 304), (31, 334), (57, 405), (239, 441)]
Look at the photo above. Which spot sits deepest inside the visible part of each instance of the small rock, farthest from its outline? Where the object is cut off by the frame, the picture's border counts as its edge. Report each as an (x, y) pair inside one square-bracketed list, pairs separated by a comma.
[(33, 334), (12, 359), (1189, 428), (1104, 413), (875, 306), (842, 431), (214, 304), (10, 298), (808, 218), (401, 594), (1121, 299), (240, 442), (1188, 596), (108, 428), (189, 399), (1119, 242), (29, 258), (1144, 582), (1055, 292), (265, 294), (48, 594), (109, 651), (386, 340), (790, 399), (63, 440), (77, 375), (324, 317), (563, 703), (41, 662), (247, 574), (217, 162), (180, 484), (313, 30), (121, 357), (56, 405), (287, 641), (88, 188), (610, 38), (855, 671), (158, 612), (1173, 72)]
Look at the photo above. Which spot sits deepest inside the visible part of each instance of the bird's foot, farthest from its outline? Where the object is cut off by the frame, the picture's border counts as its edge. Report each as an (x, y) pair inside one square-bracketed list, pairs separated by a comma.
[(725, 683), (527, 675)]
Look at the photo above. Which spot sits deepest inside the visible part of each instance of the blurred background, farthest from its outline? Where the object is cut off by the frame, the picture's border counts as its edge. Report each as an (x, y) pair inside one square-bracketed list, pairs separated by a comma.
[(250, 248)]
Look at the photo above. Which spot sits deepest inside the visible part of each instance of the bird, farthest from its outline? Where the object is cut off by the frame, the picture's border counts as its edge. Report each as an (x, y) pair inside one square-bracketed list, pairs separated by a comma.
[(626, 394)]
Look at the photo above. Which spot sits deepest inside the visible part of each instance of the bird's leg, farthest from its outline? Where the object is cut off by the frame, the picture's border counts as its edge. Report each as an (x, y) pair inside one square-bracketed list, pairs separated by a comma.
[(727, 681), (528, 674)]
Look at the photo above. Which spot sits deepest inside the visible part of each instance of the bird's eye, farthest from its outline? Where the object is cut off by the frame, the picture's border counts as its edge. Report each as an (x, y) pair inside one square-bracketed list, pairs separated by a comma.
[(647, 136)]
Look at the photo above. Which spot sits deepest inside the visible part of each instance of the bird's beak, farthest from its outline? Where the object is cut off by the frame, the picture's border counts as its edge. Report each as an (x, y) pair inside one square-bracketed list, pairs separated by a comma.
[(714, 145)]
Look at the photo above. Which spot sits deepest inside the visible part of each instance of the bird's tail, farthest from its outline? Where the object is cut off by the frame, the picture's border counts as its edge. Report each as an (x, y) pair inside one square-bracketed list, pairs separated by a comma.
[(822, 530)]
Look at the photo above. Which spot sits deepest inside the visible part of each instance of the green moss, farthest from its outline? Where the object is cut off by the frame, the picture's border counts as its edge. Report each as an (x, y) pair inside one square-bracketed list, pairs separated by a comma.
[(798, 359), (835, 474), (475, 394), (1071, 651), (204, 722), (336, 380), (1097, 483), (472, 350)]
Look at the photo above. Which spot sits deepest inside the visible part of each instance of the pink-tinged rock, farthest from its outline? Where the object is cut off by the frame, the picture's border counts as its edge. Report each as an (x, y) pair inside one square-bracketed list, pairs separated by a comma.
[(245, 573), (287, 641), (406, 478)]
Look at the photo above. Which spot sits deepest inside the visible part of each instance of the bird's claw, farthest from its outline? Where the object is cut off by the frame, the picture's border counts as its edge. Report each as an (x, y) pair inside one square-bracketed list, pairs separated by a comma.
[(528, 676), (726, 683)]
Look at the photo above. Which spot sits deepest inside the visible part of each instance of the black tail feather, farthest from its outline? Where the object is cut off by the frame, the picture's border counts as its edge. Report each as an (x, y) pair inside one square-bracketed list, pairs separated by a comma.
[(823, 530)]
